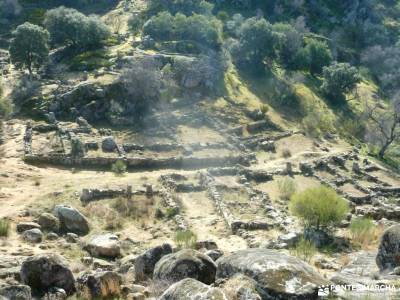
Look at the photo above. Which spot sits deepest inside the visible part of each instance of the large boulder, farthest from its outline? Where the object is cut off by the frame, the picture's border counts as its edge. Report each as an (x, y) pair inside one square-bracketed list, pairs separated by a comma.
[(241, 287), (145, 263), (71, 220), (49, 222), (278, 276), (186, 263), (99, 285), (16, 292), (389, 249), (108, 144), (104, 245), (189, 289), (44, 271)]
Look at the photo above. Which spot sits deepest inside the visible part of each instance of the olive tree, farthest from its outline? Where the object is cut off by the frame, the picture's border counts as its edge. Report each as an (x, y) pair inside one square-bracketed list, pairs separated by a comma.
[(339, 79), (29, 46), (257, 42), (69, 27)]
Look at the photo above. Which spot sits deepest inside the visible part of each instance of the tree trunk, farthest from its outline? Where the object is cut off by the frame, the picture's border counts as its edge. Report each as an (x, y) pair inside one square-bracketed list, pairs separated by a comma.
[(382, 152)]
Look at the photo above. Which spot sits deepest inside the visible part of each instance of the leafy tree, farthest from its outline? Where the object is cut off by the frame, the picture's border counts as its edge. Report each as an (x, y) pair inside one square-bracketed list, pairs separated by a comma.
[(339, 79), (290, 43), (10, 8), (197, 28), (319, 55), (319, 207), (257, 41), (69, 27), (29, 46), (186, 7)]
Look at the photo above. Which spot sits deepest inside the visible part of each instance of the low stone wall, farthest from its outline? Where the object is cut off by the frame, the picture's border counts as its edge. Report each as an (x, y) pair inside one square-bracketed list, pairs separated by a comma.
[(137, 163), (90, 195)]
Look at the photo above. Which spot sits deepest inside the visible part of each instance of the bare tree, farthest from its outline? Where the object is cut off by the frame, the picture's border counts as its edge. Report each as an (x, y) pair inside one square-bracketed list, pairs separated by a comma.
[(384, 124)]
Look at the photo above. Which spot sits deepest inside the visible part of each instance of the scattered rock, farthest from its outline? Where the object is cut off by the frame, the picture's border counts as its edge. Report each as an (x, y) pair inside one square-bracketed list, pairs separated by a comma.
[(209, 245), (24, 226), (51, 236), (186, 263), (189, 289), (99, 285), (104, 245), (278, 276), (145, 263), (71, 220), (71, 237), (33, 235), (108, 144), (44, 271), (55, 294), (49, 222), (214, 254)]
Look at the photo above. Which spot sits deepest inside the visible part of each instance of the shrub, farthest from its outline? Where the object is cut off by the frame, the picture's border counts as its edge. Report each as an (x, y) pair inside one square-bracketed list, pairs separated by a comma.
[(185, 239), (119, 167), (319, 55), (318, 207), (186, 7), (135, 23), (305, 250), (4, 227), (287, 187), (317, 122), (362, 231)]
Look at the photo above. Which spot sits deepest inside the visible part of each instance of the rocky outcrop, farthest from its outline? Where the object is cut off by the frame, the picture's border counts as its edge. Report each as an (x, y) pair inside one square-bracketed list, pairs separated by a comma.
[(145, 263), (278, 275), (186, 263), (24, 226), (99, 285), (71, 220), (44, 271), (104, 245), (389, 249), (189, 289)]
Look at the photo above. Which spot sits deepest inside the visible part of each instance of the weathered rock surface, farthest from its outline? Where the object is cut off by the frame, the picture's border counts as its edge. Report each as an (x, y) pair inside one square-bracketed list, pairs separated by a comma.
[(16, 292), (278, 276), (33, 235), (145, 263), (389, 249), (49, 222), (189, 289), (108, 144), (99, 285), (44, 271), (185, 264), (71, 220), (241, 287), (104, 245)]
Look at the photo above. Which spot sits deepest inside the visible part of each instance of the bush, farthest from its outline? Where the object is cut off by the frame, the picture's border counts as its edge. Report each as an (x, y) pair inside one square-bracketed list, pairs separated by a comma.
[(135, 23), (305, 250), (317, 123), (4, 228), (319, 207), (287, 187), (362, 231), (185, 239), (318, 55), (186, 7), (119, 167)]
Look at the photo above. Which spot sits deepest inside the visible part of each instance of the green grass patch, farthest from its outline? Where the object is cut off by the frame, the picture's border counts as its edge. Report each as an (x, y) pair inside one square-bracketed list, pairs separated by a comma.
[(90, 60)]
